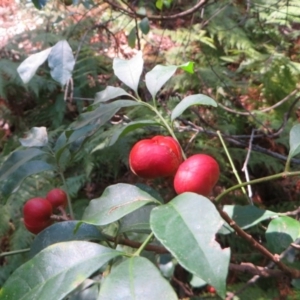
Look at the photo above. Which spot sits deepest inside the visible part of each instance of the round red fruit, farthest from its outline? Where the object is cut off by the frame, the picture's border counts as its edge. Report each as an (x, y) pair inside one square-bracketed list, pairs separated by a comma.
[(156, 157), (37, 214), (57, 197), (198, 174)]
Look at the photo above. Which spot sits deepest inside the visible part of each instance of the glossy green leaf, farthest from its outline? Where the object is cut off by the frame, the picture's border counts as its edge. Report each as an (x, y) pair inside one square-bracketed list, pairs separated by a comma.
[(36, 137), (157, 77), (187, 226), (109, 93), (56, 271), (124, 130), (294, 140), (281, 233), (61, 62), (102, 114), (28, 67), (27, 169), (64, 232), (245, 216), (136, 278), (129, 71), (116, 201), (132, 37), (17, 159), (144, 25), (198, 99)]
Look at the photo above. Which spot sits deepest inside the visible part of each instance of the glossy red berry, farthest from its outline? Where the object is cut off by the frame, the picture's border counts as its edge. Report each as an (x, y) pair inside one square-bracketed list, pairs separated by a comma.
[(198, 174), (57, 197), (156, 157), (37, 214)]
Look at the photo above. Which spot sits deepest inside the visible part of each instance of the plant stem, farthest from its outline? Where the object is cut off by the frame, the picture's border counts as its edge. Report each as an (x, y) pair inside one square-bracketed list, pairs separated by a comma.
[(14, 252), (231, 163), (259, 180), (68, 196), (142, 247)]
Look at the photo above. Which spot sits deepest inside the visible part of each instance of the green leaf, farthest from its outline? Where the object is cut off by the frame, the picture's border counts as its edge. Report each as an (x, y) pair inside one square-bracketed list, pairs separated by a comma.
[(132, 37), (102, 114), (294, 140), (116, 201), (109, 93), (17, 159), (36, 137), (27, 169), (61, 62), (56, 271), (281, 233), (159, 4), (28, 67), (144, 25), (198, 99), (129, 71), (124, 130), (188, 67), (245, 216), (186, 226), (157, 77), (63, 232), (136, 278)]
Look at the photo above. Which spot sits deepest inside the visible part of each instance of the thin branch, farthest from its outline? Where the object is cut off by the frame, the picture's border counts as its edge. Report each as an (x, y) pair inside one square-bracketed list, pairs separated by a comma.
[(183, 14)]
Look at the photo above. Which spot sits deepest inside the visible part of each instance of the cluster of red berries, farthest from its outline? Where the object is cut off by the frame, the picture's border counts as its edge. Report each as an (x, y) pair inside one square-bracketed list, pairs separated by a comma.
[(161, 156), (37, 212)]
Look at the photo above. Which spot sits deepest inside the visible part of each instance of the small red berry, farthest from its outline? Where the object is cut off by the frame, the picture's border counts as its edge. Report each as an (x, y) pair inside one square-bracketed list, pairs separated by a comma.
[(156, 157), (210, 289), (198, 174), (57, 197), (37, 214)]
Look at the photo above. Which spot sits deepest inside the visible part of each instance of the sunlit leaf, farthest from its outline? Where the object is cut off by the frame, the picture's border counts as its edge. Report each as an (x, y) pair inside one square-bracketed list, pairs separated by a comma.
[(116, 201), (136, 278), (28, 67), (198, 99), (56, 271), (129, 71), (61, 62), (193, 219), (109, 93), (36, 137)]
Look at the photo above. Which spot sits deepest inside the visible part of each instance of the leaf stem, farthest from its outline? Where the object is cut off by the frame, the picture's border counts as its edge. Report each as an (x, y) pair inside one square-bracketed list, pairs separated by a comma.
[(14, 252), (142, 247), (231, 162), (259, 180)]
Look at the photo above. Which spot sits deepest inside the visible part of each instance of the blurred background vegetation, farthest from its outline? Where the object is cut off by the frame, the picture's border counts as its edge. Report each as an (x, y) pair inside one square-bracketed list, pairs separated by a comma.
[(246, 57)]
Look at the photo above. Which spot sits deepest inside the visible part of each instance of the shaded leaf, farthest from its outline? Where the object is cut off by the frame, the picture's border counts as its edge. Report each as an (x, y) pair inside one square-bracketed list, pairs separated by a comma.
[(102, 114), (193, 219), (36, 137), (17, 159), (27, 169), (28, 67), (116, 201), (129, 71), (63, 232), (61, 62), (136, 278), (144, 25), (130, 127), (198, 99), (109, 93), (294, 140), (132, 37), (245, 216), (60, 267), (281, 233)]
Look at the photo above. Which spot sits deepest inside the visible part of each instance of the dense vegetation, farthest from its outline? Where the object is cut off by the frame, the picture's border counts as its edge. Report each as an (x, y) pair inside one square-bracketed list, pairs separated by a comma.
[(244, 55)]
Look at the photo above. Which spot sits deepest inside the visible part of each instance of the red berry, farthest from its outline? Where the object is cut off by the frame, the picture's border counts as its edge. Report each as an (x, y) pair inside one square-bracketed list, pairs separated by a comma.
[(37, 214), (57, 197), (156, 157), (210, 289), (198, 174)]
